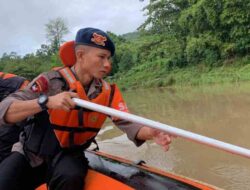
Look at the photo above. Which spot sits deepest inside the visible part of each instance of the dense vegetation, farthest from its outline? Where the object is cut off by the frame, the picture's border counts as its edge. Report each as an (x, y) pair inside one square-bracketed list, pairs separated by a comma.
[(181, 42), (189, 42)]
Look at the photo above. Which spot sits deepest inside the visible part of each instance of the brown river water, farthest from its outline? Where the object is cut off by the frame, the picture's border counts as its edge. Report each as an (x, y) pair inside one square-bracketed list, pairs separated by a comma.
[(219, 112)]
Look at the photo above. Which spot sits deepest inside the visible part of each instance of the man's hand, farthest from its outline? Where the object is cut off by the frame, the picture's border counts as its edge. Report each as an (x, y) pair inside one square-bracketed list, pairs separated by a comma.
[(62, 100), (159, 137)]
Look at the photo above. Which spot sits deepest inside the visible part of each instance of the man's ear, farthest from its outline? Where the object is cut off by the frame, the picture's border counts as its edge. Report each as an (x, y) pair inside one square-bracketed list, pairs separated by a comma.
[(80, 54)]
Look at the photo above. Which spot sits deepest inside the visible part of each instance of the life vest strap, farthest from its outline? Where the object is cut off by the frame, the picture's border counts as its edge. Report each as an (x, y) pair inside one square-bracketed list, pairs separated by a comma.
[(75, 129), (80, 117), (68, 76), (71, 138), (84, 109), (112, 92)]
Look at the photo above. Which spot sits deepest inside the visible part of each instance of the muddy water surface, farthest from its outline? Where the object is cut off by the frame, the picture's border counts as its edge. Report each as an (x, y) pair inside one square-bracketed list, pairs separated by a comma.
[(220, 112)]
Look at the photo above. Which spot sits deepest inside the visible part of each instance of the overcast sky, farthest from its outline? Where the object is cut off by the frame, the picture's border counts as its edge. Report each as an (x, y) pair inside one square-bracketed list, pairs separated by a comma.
[(22, 22)]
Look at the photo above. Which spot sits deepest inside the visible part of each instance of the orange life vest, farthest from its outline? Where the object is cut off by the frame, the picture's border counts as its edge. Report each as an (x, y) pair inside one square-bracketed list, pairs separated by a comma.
[(6, 75), (10, 83), (76, 127), (9, 75)]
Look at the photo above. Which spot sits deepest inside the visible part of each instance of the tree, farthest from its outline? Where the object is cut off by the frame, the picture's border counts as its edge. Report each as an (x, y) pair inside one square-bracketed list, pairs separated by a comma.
[(162, 15), (126, 61), (55, 30), (44, 51), (207, 31), (235, 24)]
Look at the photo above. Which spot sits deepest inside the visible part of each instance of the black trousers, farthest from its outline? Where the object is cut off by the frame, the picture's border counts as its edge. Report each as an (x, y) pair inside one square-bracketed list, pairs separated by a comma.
[(66, 172)]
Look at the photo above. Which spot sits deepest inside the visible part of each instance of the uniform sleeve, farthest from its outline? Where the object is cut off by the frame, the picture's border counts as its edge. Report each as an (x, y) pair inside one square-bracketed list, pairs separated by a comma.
[(25, 94), (131, 129), (4, 106), (44, 83)]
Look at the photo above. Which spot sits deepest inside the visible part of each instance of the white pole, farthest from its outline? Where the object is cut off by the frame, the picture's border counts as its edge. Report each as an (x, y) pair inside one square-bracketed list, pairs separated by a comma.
[(169, 129)]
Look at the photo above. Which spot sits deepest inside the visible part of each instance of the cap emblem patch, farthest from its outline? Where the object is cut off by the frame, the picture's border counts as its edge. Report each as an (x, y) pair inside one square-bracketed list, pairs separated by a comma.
[(99, 39)]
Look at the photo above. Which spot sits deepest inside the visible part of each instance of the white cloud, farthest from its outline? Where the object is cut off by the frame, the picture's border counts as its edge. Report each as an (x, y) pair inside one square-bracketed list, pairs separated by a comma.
[(23, 22)]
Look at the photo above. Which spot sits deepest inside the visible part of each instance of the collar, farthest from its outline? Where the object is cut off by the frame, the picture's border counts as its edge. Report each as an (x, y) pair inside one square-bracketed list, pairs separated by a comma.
[(95, 85)]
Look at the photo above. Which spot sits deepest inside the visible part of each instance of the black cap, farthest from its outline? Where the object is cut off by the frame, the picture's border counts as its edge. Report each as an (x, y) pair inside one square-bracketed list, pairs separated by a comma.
[(96, 38)]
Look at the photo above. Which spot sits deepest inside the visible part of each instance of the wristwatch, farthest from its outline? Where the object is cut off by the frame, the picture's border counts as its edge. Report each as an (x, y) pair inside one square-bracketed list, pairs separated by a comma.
[(42, 101)]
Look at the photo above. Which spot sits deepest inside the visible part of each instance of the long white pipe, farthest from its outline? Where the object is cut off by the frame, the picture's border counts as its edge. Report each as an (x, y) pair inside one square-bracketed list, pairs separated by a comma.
[(169, 129)]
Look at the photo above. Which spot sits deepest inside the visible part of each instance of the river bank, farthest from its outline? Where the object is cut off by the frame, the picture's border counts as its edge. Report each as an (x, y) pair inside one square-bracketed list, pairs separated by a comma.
[(156, 75)]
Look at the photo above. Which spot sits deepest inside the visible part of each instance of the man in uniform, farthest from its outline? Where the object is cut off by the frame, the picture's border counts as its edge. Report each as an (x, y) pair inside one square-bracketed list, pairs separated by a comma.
[(9, 83), (51, 149)]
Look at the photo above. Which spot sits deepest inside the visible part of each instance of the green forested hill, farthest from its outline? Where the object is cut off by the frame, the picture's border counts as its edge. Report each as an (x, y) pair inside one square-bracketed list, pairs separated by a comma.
[(182, 42), (188, 42), (153, 62)]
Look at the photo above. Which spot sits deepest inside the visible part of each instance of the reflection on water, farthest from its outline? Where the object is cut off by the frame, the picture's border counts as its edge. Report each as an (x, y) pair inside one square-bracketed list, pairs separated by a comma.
[(220, 112)]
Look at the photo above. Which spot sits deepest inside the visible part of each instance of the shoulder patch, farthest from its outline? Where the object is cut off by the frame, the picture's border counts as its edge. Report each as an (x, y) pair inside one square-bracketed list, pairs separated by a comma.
[(40, 84)]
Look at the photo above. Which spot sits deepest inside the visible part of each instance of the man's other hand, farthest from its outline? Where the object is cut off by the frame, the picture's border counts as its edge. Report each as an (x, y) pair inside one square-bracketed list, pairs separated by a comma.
[(63, 101)]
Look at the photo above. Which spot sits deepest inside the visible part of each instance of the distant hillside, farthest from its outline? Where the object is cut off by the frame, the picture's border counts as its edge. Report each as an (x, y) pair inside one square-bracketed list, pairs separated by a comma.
[(131, 36)]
